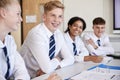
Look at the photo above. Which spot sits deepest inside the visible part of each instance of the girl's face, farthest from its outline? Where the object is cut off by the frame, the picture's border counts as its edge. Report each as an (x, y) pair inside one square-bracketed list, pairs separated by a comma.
[(13, 16), (76, 28)]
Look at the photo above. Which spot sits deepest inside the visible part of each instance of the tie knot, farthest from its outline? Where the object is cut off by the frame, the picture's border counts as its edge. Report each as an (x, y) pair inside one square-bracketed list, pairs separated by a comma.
[(74, 44), (74, 49), (5, 50), (98, 41), (52, 37)]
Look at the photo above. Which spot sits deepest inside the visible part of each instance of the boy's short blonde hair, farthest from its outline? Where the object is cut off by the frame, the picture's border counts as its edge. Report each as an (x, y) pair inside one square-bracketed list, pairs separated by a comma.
[(52, 5)]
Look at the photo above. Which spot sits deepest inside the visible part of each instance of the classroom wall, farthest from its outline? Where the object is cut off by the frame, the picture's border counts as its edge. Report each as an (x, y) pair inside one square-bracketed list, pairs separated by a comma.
[(87, 9)]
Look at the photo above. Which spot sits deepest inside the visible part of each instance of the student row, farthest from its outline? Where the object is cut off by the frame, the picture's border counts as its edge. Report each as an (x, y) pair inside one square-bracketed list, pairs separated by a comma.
[(43, 53)]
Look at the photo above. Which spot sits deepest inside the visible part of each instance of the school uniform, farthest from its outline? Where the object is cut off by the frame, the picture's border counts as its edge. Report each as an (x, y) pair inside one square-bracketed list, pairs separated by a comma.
[(104, 46), (16, 63), (35, 50), (81, 50)]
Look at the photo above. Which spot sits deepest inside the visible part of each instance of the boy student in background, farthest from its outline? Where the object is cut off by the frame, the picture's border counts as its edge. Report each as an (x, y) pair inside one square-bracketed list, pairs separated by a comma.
[(76, 26), (45, 43), (11, 63), (97, 42)]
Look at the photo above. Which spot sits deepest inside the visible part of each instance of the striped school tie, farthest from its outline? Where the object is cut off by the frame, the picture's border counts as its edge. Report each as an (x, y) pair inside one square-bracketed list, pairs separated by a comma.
[(52, 47), (8, 62), (98, 42), (74, 49)]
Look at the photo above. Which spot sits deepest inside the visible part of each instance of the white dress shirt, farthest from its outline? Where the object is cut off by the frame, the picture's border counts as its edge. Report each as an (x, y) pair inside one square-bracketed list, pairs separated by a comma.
[(35, 50), (81, 50), (105, 47), (17, 65)]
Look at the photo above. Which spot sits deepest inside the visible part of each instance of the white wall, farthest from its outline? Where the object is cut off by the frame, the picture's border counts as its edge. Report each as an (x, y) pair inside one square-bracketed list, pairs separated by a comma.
[(88, 10)]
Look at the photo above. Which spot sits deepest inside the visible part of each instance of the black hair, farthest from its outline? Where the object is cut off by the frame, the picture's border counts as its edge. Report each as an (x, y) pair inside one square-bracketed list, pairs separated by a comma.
[(74, 19)]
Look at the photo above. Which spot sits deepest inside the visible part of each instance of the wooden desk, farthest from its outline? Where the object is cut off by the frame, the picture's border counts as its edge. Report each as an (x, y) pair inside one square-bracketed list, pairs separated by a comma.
[(76, 68), (69, 71)]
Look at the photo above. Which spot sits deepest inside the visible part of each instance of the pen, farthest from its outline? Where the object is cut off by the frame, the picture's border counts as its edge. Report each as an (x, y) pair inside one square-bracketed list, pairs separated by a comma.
[(94, 54), (108, 61), (112, 76)]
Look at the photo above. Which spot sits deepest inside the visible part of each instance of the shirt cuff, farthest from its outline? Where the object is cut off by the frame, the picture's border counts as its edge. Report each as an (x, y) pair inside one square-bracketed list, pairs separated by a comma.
[(56, 61), (79, 58)]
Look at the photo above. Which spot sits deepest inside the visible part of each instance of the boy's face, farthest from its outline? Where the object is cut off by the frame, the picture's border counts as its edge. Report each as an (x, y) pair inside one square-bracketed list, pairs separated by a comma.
[(53, 19), (99, 30)]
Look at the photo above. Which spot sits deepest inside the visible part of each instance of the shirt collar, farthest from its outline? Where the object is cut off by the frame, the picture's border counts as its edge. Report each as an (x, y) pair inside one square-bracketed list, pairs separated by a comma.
[(96, 38), (70, 38), (3, 44), (48, 32)]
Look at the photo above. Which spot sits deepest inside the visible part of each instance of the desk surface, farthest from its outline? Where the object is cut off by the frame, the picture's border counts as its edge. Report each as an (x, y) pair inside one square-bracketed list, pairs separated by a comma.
[(75, 69)]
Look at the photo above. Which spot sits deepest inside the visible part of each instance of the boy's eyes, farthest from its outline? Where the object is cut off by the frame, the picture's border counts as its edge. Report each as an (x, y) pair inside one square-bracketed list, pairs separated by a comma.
[(61, 16), (58, 16)]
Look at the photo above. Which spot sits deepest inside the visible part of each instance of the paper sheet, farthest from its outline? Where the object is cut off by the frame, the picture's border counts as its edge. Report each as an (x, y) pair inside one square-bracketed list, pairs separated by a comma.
[(100, 72), (92, 75)]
